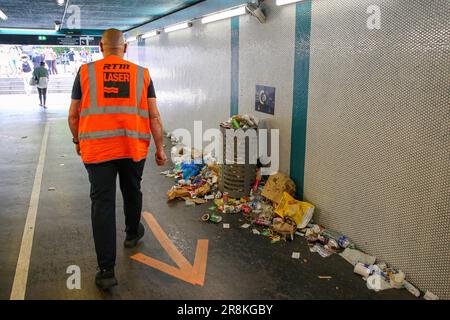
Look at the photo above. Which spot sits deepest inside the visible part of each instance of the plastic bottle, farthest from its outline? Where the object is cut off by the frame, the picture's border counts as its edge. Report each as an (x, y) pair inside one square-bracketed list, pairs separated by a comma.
[(235, 124), (413, 290)]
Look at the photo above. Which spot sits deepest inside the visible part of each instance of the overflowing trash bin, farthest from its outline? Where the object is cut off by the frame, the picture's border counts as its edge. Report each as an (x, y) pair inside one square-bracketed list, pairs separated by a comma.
[(238, 172)]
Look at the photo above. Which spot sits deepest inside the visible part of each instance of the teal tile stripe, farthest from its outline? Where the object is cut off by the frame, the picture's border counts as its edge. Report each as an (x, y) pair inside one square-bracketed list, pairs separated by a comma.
[(234, 107), (301, 87)]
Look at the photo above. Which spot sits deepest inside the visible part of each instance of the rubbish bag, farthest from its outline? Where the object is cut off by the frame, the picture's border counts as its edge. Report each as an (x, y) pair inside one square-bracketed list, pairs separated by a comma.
[(276, 185), (191, 169), (298, 211)]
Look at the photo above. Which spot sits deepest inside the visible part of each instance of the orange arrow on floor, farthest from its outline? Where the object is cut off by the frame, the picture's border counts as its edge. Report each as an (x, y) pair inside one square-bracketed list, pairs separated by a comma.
[(194, 274)]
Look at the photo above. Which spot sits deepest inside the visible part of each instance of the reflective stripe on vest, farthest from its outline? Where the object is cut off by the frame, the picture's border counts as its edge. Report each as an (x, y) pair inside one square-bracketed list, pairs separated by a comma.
[(114, 134), (94, 109)]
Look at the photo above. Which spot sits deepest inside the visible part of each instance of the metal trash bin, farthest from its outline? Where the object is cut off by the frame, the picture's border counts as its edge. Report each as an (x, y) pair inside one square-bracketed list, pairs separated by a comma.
[(238, 171)]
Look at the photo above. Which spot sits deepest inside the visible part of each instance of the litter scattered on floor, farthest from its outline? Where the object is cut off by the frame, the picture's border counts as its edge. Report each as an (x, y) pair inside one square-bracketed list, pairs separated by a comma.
[(189, 203), (271, 211), (363, 270), (354, 257), (211, 218), (325, 277), (413, 290), (430, 296)]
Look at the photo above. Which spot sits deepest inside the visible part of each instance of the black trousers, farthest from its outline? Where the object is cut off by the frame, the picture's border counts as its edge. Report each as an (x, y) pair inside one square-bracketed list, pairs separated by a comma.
[(42, 95), (103, 196)]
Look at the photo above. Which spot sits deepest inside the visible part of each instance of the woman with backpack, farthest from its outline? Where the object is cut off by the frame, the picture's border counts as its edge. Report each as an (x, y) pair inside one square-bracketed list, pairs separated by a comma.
[(41, 76), (26, 72)]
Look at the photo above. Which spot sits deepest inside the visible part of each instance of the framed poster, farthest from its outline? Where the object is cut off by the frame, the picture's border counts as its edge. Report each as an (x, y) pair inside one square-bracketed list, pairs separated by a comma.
[(265, 99)]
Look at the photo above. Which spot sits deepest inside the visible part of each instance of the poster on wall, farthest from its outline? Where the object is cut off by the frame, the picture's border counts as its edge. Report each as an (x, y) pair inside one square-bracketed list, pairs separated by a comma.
[(265, 99)]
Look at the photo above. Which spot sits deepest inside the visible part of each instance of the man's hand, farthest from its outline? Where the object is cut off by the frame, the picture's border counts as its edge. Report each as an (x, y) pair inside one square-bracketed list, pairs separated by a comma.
[(160, 157), (77, 148)]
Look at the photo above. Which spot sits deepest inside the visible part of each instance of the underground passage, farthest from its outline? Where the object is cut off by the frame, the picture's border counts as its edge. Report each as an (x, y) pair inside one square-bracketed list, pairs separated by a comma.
[(224, 150)]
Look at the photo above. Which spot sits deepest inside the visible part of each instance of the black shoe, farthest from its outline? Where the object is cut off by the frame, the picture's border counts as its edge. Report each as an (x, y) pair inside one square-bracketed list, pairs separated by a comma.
[(105, 279), (131, 240)]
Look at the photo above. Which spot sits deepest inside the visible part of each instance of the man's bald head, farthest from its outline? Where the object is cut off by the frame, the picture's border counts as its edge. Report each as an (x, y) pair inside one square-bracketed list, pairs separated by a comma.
[(113, 42)]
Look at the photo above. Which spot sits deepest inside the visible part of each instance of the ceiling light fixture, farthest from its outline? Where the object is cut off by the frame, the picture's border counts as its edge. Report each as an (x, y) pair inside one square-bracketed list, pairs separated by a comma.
[(151, 34), (60, 2), (131, 39), (27, 30), (3, 16), (225, 15), (283, 2), (177, 27)]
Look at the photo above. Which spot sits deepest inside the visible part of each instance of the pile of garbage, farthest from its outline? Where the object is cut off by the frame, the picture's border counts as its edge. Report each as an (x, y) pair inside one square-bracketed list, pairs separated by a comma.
[(196, 178), (278, 221), (271, 210), (241, 122)]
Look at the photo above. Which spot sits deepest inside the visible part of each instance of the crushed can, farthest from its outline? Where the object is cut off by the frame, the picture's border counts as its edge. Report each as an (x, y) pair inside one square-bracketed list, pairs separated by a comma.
[(263, 222), (245, 209)]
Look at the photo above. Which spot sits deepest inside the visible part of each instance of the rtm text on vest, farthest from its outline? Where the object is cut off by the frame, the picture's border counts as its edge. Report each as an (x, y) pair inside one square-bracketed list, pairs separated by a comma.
[(116, 66)]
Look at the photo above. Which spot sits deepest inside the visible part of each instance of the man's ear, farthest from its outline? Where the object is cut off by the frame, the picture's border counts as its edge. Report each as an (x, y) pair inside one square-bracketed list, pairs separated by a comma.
[(125, 48)]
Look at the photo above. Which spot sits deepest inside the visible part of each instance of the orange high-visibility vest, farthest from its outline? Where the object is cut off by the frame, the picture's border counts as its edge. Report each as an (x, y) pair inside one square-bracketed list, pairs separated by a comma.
[(114, 112)]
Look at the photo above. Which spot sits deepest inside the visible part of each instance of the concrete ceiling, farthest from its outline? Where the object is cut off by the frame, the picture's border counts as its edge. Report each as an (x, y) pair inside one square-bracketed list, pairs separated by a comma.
[(94, 14)]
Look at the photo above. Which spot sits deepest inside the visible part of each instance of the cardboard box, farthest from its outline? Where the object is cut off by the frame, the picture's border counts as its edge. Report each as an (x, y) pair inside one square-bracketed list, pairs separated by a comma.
[(276, 185)]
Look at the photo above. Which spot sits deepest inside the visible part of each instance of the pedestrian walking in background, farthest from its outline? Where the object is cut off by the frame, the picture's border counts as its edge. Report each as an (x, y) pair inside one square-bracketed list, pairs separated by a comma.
[(26, 72), (48, 59), (54, 66), (37, 59), (41, 77)]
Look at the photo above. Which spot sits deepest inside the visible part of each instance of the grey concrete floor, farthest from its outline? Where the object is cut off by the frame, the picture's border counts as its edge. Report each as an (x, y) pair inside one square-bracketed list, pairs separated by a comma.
[(240, 264)]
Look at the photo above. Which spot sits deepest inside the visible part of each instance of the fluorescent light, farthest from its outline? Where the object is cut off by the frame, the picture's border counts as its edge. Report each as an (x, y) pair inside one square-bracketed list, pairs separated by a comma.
[(60, 2), (283, 2), (131, 39), (177, 27), (225, 15), (27, 30), (3, 16), (150, 34)]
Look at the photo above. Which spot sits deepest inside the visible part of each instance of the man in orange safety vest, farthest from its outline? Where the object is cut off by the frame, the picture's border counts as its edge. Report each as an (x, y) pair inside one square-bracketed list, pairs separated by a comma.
[(112, 117)]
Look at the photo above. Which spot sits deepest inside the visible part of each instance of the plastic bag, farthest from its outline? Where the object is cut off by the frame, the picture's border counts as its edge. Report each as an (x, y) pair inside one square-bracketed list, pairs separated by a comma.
[(33, 81), (191, 170), (298, 211)]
